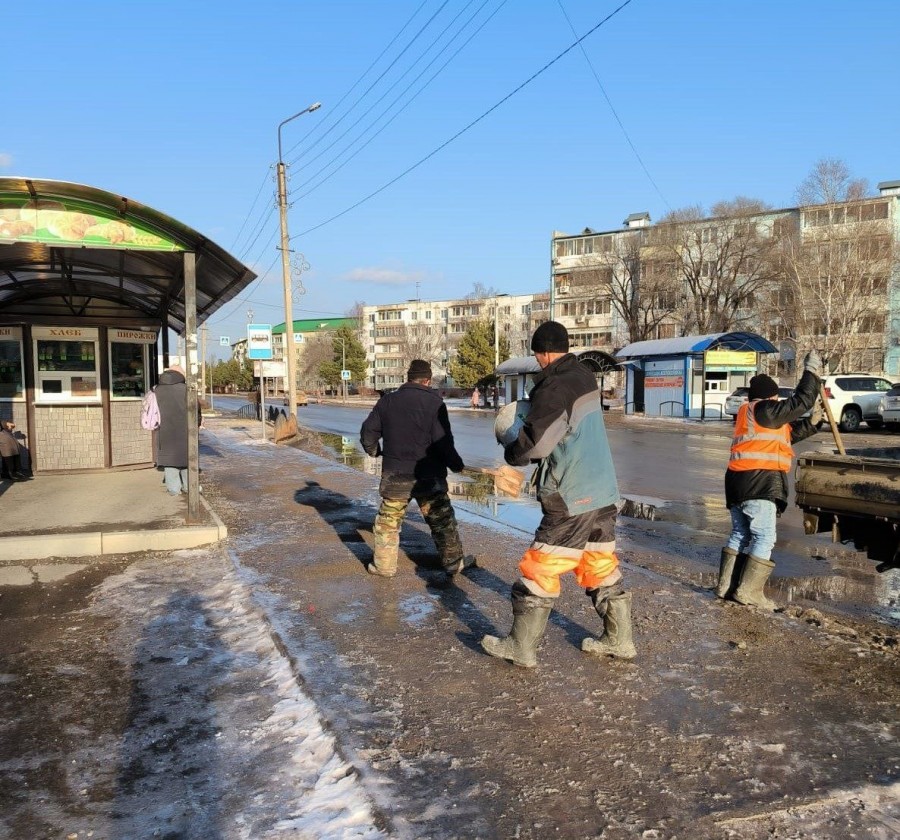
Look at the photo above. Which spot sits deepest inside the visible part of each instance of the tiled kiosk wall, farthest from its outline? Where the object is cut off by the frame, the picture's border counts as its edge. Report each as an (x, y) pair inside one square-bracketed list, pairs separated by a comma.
[(130, 443), (69, 437)]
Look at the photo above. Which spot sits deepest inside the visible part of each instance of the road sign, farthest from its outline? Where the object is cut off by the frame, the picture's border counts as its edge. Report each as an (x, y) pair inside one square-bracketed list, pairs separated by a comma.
[(259, 341), (345, 374), (224, 341), (298, 338), (269, 369)]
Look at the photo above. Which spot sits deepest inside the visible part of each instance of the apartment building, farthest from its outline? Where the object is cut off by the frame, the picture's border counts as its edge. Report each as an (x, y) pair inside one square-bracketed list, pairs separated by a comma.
[(825, 275), (395, 333)]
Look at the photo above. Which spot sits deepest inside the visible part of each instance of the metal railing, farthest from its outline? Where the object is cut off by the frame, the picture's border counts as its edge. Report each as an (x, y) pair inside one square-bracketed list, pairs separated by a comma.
[(671, 402)]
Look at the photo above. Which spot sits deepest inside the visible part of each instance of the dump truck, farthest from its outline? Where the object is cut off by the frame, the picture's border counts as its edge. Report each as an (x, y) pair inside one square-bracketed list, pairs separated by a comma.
[(856, 498)]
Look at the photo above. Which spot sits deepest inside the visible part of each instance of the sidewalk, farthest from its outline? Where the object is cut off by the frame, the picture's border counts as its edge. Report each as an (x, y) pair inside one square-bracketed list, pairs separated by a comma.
[(92, 514)]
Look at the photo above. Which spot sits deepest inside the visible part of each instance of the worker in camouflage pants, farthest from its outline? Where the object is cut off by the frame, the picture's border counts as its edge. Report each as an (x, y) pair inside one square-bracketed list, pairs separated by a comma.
[(437, 512), (410, 429)]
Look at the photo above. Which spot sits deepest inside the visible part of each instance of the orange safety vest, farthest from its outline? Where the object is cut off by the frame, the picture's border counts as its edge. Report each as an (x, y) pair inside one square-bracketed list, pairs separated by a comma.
[(755, 447)]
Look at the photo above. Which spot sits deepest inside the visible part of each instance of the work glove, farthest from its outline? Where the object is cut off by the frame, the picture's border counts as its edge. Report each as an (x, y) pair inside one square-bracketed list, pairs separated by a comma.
[(817, 415), (813, 363)]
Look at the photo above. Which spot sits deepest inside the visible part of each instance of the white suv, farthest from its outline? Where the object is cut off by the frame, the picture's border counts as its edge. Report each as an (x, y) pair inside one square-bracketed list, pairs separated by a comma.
[(855, 397), (890, 408)]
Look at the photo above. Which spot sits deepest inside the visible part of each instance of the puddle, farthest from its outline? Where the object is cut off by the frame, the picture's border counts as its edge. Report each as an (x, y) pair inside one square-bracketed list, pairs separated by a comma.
[(473, 490)]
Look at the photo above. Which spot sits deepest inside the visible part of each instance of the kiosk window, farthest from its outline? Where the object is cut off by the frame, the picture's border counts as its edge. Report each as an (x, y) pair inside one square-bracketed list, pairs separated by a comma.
[(11, 380), (66, 370), (66, 355), (127, 369)]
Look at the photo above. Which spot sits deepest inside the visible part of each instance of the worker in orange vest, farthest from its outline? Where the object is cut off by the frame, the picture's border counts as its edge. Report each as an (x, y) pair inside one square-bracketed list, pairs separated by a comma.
[(756, 490)]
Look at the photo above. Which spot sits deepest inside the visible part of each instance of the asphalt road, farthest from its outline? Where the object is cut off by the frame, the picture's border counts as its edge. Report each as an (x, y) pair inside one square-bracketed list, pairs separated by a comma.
[(674, 472)]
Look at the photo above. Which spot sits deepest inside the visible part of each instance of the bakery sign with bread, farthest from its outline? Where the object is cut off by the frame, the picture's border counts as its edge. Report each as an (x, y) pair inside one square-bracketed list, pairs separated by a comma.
[(71, 223)]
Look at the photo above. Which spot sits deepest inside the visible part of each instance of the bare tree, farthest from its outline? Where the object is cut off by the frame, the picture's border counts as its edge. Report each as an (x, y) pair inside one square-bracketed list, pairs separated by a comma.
[(316, 352), (830, 182), (837, 261), (480, 291), (421, 340), (723, 261)]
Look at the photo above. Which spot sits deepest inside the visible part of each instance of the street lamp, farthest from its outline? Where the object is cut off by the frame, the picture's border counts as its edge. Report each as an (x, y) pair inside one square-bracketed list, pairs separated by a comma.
[(290, 357)]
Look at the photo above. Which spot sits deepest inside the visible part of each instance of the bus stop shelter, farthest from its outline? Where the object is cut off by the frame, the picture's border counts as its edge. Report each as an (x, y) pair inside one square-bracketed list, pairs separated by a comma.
[(518, 372), (90, 284), (691, 375)]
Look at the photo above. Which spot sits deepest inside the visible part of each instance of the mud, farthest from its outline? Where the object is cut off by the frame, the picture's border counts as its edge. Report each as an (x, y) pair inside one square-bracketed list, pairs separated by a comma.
[(730, 723)]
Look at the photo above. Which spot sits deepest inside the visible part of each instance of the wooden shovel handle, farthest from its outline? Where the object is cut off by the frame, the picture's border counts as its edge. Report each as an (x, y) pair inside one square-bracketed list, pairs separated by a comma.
[(834, 429)]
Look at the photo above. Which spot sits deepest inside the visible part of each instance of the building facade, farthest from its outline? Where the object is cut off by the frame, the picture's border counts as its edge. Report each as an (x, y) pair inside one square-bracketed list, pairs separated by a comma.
[(824, 275), (395, 333)]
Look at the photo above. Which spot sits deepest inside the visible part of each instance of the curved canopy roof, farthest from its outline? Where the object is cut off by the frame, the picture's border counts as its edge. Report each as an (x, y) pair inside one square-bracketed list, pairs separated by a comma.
[(70, 251), (597, 360), (688, 344)]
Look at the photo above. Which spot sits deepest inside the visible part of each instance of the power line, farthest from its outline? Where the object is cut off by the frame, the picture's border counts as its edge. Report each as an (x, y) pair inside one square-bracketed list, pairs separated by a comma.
[(249, 212), (397, 99), (474, 122), (369, 88), (612, 108), (317, 125), (394, 85)]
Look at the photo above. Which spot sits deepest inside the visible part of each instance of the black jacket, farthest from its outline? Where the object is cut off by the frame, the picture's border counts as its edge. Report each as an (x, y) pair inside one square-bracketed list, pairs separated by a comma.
[(417, 444), (742, 486), (172, 435)]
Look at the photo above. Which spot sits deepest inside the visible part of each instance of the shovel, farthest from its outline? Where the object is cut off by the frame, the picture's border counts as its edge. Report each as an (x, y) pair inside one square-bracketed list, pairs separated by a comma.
[(834, 429)]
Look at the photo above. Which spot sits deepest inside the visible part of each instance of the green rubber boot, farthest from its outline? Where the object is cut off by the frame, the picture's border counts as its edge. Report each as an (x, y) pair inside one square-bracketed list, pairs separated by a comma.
[(530, 615), (616, 639), (731, 566), (753, 580)]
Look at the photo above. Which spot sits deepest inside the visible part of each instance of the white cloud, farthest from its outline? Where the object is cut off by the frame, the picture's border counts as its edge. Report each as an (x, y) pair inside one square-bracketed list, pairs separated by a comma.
[(6, 159), (383, 276)]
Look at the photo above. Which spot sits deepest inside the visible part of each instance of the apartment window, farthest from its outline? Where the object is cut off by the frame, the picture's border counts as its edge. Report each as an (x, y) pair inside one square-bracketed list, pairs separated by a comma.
[(414, 316), (428, 315), (709, 234), (665, 331), (444, 314)]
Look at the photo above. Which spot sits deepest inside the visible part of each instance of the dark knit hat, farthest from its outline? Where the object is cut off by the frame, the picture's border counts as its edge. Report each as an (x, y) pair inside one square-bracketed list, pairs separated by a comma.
[(762, 387), (418, 369), (550, 337)]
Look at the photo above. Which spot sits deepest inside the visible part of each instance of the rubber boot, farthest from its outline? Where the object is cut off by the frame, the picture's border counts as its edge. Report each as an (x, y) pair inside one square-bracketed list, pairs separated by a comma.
[(616, 639), (530, 614), (753, 580), (731, 567)]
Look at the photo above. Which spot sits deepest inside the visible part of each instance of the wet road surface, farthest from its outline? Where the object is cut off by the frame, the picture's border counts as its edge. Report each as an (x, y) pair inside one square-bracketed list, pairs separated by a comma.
[(672, 472)]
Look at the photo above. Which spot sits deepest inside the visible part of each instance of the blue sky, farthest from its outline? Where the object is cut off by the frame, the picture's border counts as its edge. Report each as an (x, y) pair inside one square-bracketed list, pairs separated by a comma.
[(176, 105)]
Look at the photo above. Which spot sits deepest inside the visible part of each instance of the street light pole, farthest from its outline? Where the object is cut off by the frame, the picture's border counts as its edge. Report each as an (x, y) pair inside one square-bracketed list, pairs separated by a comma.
[(289, 353)]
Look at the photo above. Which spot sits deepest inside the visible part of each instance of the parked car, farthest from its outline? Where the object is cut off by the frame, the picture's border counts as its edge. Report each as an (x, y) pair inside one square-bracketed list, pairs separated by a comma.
[(856, 397), (302, 398), (890, 408), (739, 396)]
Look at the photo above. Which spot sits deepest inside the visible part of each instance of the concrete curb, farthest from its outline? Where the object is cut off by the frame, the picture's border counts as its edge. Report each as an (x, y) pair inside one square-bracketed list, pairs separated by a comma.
[(93, 543)]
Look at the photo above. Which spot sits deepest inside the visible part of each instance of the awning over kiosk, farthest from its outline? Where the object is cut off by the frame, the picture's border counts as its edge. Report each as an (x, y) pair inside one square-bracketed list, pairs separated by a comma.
[(70, 251)]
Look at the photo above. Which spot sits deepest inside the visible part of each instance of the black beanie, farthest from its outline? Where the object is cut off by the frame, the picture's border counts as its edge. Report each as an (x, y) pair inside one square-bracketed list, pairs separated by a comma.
[(762, 387), (550, 337), (418, 369)]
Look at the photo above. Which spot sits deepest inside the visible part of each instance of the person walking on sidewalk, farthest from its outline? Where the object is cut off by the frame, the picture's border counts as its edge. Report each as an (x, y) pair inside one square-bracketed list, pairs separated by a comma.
[(410, 429), (756, 489), (565, 434)]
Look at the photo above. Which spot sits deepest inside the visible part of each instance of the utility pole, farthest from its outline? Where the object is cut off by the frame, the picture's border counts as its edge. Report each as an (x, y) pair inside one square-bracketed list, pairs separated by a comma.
[(289, 352)]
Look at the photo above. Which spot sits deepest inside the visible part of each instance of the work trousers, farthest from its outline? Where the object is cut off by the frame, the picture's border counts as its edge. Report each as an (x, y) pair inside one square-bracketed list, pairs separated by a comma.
[(439, 516), (584, 543)]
